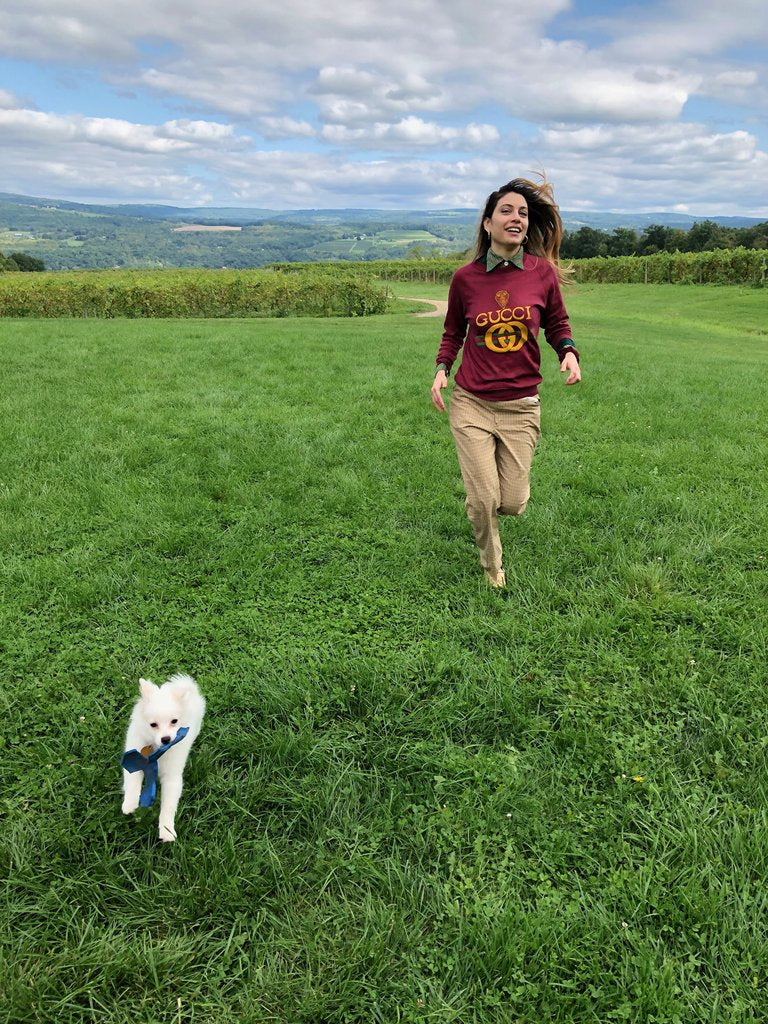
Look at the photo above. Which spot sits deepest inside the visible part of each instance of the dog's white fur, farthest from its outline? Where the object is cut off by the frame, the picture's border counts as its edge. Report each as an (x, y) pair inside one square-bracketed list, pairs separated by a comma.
[(156, 717)]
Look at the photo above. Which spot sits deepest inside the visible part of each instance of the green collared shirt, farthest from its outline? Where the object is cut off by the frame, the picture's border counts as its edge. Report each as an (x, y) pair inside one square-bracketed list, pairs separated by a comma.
[(492, 260)]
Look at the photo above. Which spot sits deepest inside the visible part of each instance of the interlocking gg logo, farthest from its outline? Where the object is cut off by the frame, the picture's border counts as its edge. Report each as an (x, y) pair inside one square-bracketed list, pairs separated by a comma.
[(505, 330)]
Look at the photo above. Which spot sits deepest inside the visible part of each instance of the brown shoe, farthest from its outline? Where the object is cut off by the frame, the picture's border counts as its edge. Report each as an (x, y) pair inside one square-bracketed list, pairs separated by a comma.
[(496, 577)]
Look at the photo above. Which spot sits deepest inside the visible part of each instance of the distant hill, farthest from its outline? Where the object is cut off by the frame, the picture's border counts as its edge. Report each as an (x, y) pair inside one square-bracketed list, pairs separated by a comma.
[(68, 235), (572, 221), (232, 214), (605, 221)]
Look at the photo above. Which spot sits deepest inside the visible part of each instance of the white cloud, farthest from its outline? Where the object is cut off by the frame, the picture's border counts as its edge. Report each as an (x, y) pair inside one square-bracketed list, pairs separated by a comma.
[(362, 64), (738, 86), (660, 145), (228, 91), (294, 32), (735, 79), (346, 95), (503, 91), (410, 131), (40, 129), (581, 86), (344, 81), (39, 31), (677, 29), (243, 60), (656, 167), (199, 132), (8, 101), (274, 128)]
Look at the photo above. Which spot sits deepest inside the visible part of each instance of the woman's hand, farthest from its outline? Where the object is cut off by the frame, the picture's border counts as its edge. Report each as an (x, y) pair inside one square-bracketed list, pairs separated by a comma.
[(569, 365), (440, 382)]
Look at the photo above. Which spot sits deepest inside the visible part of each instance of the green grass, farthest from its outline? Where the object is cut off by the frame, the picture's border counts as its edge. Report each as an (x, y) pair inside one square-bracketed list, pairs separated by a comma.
[(413, 799)]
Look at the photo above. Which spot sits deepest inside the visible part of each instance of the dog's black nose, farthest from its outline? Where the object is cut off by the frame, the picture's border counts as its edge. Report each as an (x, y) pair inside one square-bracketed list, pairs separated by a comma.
[(165, 739)]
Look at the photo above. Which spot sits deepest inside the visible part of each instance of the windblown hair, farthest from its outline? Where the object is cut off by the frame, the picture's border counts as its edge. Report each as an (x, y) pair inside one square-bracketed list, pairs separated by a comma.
[(545, 228)]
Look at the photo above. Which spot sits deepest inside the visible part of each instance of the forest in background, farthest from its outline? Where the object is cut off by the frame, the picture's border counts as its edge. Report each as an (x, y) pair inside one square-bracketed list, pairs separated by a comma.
[(72, 236)]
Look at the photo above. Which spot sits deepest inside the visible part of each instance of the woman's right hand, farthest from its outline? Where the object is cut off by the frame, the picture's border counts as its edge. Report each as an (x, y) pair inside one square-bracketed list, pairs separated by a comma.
[(440, 382)]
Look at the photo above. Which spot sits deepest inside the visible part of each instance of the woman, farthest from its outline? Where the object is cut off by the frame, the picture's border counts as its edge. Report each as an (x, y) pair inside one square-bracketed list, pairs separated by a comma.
[(496, 305)]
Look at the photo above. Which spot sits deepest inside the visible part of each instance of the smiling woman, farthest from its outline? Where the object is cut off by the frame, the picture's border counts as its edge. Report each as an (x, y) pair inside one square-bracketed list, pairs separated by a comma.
[(496, 306)]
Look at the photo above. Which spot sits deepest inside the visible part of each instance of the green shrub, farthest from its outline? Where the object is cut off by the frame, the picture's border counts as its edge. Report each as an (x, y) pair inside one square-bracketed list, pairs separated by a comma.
[(719, 266), (197, 293)]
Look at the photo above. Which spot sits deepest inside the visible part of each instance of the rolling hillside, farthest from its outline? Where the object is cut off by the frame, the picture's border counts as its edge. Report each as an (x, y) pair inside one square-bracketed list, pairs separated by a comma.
[(69, 236)]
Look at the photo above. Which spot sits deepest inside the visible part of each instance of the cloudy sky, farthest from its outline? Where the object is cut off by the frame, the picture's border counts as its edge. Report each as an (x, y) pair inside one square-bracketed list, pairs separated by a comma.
[(654, 105)]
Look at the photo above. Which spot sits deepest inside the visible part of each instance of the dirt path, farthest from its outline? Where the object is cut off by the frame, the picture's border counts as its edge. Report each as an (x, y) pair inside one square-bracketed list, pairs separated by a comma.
[(440, 306)]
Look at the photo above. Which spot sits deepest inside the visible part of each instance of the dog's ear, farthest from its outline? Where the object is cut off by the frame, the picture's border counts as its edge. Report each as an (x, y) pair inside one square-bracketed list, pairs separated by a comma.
[(181, 691), (147, 688), (182, 686)]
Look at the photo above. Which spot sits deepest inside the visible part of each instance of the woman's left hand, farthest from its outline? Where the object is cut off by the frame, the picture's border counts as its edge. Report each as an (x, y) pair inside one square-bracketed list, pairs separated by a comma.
[(570, 365)]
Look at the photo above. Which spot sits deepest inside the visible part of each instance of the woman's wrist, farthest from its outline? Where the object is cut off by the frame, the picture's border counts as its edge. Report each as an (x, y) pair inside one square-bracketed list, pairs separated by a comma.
[(566, 346)]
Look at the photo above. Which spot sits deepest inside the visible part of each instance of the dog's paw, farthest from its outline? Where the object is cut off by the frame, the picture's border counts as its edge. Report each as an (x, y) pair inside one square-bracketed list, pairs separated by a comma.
[(167, 835), (130, 805)]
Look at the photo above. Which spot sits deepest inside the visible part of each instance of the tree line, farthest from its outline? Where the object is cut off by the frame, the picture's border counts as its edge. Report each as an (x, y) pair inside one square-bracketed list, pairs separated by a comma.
[(20, 261), (703, 236)]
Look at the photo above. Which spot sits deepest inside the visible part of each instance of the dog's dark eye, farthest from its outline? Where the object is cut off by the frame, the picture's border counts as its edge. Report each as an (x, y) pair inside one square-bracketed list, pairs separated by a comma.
[(153, 725), (174, 721)]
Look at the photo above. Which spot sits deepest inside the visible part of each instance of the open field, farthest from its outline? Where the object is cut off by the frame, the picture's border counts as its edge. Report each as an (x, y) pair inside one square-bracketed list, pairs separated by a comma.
[(413, 799)]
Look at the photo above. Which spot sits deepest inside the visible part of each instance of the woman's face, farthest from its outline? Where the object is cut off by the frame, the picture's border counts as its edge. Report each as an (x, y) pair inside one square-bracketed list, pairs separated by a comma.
[(508, 224)]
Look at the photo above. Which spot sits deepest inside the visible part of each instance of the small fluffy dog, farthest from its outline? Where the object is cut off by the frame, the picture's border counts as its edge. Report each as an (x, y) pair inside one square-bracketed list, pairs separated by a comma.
[(156, 718)]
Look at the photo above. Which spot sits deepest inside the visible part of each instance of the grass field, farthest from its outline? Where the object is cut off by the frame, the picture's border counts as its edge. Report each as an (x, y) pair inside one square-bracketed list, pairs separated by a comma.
[(413, 799)]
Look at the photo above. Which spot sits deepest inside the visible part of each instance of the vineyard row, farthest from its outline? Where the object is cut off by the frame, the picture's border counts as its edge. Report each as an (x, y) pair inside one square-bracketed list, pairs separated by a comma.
[(193, 293), (321, 289)]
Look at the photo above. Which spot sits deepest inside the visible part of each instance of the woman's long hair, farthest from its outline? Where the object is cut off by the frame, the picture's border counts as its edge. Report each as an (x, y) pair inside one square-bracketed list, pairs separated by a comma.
[(545, 228)]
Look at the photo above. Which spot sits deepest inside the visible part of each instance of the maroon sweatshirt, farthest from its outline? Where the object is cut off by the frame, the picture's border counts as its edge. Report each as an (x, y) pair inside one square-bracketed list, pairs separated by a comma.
[(496, 316)]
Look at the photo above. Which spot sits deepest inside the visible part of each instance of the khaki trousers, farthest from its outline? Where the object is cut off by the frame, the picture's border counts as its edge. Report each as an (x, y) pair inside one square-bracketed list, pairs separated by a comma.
[(495, 443)]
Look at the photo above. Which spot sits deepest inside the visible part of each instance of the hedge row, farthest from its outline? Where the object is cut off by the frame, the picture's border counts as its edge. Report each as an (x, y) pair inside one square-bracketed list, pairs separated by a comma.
[(719, 266), (438, 270), (195, 293), (328, 289)]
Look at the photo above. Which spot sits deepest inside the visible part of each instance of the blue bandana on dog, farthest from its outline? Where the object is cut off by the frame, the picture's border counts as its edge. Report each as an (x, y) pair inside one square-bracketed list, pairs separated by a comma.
[(138, 761)]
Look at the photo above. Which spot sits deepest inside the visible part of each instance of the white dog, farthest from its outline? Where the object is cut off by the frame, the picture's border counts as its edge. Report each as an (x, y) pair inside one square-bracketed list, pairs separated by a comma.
[(157, 717)]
